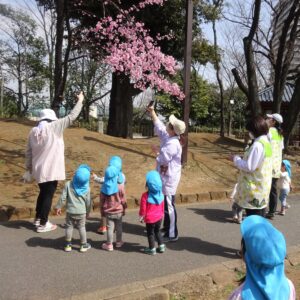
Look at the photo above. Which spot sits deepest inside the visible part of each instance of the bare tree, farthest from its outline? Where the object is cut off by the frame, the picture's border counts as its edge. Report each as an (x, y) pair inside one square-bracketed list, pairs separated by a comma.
[(251, 90)]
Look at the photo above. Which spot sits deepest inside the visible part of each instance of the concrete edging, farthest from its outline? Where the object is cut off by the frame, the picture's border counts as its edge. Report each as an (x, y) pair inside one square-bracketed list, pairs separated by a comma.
[(11, 213)]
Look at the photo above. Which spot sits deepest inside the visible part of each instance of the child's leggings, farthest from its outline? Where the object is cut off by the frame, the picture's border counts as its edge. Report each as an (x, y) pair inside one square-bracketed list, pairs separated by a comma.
[(76, 221), (282, 196), (153, 230), (237, 211), (114, 221)]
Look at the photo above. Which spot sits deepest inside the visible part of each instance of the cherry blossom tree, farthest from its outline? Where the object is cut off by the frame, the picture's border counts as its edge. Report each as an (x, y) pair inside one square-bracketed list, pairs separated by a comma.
[(135, 57)]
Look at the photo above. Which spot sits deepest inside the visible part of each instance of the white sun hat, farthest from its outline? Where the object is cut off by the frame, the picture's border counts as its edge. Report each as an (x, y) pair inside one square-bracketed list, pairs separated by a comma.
[(276, 117), (178, 125), (48, 113)]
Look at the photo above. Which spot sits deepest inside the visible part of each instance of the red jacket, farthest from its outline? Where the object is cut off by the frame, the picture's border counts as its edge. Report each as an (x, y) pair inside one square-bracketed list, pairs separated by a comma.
[(151, 212)]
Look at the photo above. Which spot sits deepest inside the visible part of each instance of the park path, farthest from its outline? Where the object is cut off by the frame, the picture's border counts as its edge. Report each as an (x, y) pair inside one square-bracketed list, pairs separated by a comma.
[(34, 265)]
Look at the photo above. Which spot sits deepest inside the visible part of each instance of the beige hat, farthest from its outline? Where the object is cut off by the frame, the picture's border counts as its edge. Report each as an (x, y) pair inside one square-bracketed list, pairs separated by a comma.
[(48, 113), (179, 126)]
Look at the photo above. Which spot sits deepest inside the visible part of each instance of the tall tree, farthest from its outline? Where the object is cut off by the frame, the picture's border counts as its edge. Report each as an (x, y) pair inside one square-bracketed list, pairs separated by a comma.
[(251, 90), (22, 56)]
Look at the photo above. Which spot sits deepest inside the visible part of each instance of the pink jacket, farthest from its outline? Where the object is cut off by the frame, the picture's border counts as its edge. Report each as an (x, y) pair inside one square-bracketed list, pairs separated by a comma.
[(114, 204), (151, 212)]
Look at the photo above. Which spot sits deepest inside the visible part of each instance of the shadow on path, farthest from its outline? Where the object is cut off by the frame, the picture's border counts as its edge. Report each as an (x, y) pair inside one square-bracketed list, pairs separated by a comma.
[(49, 243), (196, 245), (214, 214), (19, 225)]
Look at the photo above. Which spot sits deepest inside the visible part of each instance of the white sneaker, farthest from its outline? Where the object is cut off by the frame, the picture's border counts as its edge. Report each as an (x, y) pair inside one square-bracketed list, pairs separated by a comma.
[(36, 222), (47, 227)]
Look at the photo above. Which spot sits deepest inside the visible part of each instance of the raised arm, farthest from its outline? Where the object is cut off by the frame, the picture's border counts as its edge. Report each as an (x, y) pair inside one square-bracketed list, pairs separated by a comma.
[(159, 127), (61, 124)]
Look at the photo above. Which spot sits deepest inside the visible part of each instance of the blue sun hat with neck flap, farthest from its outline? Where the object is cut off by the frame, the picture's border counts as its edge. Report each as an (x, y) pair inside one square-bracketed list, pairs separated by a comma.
[(288, 167), (116, 161), (264, 257), (154, 185), (81, 180), (110, 185)]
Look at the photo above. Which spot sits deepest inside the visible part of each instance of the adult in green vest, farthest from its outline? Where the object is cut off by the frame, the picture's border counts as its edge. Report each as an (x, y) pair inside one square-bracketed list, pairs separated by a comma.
[(255, 169), (275, 135)]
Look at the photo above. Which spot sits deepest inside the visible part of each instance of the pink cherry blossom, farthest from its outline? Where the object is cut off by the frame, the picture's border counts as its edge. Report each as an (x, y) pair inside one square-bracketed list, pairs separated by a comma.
[(131, 50)]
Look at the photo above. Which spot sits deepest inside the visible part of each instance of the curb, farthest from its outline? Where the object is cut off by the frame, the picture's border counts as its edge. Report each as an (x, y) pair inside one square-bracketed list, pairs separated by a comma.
[(11, 213), (156, 288)]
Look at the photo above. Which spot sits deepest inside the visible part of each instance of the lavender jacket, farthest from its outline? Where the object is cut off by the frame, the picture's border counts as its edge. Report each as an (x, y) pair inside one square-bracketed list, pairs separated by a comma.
[(169, 155), (44, 155)]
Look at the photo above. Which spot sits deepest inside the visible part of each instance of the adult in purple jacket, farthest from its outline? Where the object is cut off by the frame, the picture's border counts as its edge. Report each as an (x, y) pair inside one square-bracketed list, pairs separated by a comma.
[(45, 159), (169, 166)]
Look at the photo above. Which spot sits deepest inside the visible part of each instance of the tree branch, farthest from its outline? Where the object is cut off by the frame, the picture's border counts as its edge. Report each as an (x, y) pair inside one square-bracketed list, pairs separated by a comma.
[(239, 81)]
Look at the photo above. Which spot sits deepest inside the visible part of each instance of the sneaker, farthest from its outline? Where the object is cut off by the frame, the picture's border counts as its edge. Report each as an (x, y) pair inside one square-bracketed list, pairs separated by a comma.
[(161, 248), (170, 239), (47, 227), (282, 211), (36, 222), (270, 216), (108, 247), (68, 247), (119, 244), (102, 229), (149, 251), (85, 247)]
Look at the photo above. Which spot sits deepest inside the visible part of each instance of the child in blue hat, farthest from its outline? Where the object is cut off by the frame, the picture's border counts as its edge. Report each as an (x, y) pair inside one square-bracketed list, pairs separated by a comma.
[(115, 161), (264, 251), (112, 207), (284, 185), (152, 212), (76, 197)]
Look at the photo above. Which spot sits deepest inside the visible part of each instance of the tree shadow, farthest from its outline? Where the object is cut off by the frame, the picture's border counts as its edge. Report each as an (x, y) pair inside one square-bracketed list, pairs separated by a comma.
[(214, 214), (196, 245), (119, 147), (19, 225)]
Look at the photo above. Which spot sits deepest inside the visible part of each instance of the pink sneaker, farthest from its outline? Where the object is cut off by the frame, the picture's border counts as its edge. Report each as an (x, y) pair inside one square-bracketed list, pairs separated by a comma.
[(108, 247), (119, 244)]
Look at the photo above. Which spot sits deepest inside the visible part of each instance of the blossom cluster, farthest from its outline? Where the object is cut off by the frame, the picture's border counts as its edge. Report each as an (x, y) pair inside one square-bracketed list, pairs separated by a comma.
[(131, 50)]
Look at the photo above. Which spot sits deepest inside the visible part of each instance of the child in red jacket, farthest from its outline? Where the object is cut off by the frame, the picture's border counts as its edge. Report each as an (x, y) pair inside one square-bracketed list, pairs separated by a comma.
[(152, 212)]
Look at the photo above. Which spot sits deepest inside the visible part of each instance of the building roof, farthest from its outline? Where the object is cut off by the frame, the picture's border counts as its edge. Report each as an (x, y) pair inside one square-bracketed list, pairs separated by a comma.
[(266, 95)]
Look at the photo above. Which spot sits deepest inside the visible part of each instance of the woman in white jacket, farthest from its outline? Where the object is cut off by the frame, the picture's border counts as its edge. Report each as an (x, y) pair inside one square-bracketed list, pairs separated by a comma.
[(45, 159)]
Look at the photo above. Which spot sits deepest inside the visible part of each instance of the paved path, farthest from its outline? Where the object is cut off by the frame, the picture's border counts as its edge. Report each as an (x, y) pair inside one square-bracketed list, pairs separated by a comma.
[(34, 265)]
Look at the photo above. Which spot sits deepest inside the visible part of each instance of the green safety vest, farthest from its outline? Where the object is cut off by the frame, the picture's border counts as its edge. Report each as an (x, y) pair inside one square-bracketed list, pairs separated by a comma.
[(253, 189), (276, 143)]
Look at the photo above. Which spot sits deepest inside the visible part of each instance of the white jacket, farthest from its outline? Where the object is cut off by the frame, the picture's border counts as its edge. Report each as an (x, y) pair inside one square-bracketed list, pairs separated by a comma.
[(45, 157)]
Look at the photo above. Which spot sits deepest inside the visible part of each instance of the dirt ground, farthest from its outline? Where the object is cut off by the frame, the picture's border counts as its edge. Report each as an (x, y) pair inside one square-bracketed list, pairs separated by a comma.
[(204, 287), (208, 167)]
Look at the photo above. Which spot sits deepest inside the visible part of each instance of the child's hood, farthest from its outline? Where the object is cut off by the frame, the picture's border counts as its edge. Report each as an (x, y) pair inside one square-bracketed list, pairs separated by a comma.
[(81, 180), (154, 184)]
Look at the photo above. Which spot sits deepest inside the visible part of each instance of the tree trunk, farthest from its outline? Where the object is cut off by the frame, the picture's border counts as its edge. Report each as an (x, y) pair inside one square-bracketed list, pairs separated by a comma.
[(253, 100), (219, 79), (60, 19), (292, 113), (121, 107), (285, 54)]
